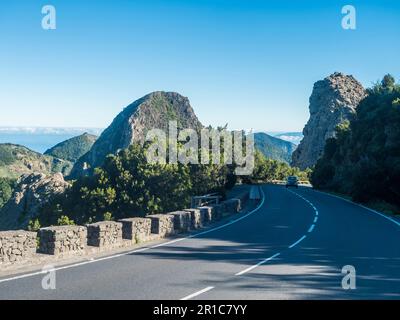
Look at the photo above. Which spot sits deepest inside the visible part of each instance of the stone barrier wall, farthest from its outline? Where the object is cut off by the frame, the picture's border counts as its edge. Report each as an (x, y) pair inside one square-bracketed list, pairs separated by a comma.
[(16, 246), (19, 246), (136, 229), (62, 240), (182, 220), (162, 224), (104, 234), (232, 205), (207, 213), (197, 220)]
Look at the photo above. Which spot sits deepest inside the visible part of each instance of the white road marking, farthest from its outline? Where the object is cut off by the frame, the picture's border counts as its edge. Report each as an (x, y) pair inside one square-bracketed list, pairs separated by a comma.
[(297, 242), (364, 207), (190, 296), (257, 265), (311, 228), (315, 219), (27, 275)]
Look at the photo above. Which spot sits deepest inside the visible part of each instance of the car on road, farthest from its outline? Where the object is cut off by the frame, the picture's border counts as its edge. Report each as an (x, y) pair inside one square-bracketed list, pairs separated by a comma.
[(292, 181)]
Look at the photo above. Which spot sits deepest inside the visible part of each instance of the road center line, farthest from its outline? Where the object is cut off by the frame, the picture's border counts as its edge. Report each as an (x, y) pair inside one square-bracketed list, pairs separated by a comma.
[(297, 242), (257, 265), (190, 296), (311, 228)]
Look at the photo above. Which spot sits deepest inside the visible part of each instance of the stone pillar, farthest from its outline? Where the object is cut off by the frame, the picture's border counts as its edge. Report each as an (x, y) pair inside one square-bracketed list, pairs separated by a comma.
[(218, 210), (162, 224), (232, 205), (17, 246), (104, 234), (182, 220), (197, 218), (207, 212), (62, 240), (136, 229)]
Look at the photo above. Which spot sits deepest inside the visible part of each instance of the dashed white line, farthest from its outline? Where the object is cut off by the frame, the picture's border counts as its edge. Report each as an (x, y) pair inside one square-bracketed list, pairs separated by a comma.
[(311, 228), (257, 265), (190, 296)]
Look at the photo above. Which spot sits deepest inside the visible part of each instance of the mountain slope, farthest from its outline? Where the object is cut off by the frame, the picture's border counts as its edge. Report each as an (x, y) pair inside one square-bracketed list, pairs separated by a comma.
[(17, 160), (153, 111), (274, 148), (72, 149)]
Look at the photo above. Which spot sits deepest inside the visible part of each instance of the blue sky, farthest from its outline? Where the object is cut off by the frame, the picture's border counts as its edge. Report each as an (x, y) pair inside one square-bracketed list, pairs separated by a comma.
[(247, 63)]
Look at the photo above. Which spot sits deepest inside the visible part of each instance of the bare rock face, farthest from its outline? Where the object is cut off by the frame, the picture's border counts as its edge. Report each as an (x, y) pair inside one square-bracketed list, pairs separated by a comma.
[(332, 101), (32, 192), (153, 111)]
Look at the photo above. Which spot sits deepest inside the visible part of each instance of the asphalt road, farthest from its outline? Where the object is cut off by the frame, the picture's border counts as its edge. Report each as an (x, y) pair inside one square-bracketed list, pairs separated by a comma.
[(293, 247)]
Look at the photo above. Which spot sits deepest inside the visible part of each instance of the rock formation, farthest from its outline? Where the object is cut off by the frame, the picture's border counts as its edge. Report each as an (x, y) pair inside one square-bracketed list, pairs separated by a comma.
[(153, 111), (332, 101), (31, 193)]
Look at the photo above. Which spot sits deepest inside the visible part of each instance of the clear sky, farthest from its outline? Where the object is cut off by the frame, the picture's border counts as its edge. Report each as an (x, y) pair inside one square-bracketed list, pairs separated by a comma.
[(248, 63)]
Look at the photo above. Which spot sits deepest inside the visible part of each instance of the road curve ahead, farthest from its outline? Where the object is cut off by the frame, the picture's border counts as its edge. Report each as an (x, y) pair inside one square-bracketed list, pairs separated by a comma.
[(293, 247)]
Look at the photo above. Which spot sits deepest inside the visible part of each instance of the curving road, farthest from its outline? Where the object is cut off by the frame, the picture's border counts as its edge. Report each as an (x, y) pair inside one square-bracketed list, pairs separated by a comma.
[(292, 247)]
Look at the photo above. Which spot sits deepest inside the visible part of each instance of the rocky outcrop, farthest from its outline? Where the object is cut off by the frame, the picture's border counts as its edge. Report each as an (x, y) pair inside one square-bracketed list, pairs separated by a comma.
[(31, 193), (154, 111), (332, 101)]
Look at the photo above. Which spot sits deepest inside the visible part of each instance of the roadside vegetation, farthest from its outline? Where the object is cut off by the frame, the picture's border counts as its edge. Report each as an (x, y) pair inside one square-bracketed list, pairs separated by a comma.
[(363, 160), (127, 185), (6, 189)]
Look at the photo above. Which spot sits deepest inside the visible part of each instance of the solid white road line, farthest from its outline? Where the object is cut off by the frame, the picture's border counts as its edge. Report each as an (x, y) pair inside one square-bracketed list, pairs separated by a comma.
[(27, 275), (190, 296), (257, 265)]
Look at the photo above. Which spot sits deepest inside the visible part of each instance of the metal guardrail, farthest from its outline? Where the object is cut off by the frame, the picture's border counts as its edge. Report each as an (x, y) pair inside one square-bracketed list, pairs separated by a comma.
[(198, 201)]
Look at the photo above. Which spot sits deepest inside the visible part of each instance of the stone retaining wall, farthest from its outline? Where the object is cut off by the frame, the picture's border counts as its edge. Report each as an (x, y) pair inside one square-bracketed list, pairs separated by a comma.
[(104, 234), (136, 229), (162, 224), (17, 246), (62, 240)]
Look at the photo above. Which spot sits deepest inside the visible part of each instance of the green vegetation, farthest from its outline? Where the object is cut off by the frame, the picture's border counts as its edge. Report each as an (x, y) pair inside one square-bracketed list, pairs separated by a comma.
[(127, 185), (274, 148), (6, 189), (17, 160), (72, 149), (268, 170), (363, 161)]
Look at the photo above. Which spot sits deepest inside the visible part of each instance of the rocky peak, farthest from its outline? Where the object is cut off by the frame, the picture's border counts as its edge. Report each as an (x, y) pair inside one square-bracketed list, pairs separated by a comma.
[(153, 111), (333, 100), (31, 193)]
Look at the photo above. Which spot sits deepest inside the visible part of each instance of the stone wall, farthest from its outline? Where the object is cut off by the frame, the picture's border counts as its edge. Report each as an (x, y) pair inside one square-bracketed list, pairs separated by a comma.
[(16, 246), (162, 224), (136, 229), (104, 234), (62, 240), (197, 219), (232, 205), (207, 213), (182, 220)]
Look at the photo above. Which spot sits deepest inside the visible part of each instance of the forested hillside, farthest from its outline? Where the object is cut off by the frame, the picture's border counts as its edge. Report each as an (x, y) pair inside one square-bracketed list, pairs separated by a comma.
[(363, 160)]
